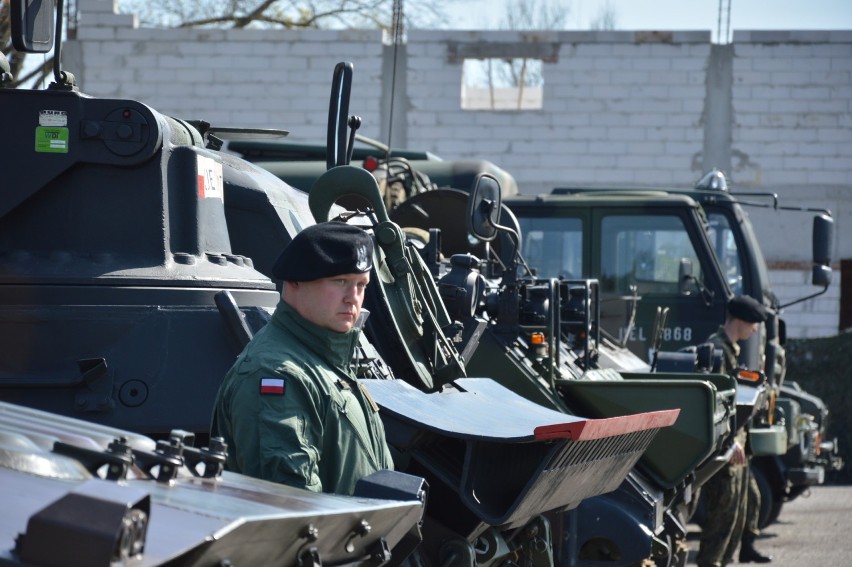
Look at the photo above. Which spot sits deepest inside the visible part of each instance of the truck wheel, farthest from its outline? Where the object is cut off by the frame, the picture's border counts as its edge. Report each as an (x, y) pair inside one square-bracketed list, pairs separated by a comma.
[(770, 504)]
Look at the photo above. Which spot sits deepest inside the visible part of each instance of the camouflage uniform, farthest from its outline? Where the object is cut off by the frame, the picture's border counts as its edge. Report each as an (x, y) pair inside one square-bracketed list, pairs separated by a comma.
[(725, 499), (730, 351), (725, 492), (292, 412), (753, 514)]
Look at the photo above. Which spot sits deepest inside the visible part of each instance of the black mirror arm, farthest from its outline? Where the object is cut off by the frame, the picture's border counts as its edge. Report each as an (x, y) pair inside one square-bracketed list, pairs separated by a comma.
[(517, 257), (801, 299), (354, 123)]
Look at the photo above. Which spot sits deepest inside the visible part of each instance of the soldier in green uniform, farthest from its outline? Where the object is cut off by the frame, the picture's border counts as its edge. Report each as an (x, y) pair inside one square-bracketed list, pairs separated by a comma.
[(727, 492), (290, 408)]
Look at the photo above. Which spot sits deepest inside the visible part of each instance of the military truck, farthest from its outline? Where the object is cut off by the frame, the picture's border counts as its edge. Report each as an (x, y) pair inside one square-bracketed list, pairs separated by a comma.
[(407, 172), (543, 336), (418, 352), (649, 244), (133, 256)]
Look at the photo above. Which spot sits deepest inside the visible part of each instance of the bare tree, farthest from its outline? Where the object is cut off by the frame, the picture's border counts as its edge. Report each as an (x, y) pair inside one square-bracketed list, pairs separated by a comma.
[(288, 14), (536, 15), (526, 15), (606, 18)]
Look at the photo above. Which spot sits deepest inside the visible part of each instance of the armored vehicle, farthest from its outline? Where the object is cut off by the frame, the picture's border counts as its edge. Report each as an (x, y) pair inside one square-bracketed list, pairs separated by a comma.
[(651, 244), (407, 172), (78, 494), (133, 262)]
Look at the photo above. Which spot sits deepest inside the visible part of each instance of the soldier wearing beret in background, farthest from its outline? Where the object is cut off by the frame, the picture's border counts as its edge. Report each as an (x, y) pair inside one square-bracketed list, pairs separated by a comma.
[(731, 495), (290, 409)]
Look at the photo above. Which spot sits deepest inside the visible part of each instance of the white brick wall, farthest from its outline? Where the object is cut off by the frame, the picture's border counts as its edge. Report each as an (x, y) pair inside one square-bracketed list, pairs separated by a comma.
[(617, 108), (817, 317), (227, 77), (599, 96), (793, 103)]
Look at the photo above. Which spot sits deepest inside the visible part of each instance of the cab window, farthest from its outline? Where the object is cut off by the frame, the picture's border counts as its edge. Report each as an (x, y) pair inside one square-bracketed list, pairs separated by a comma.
[(725, 245), (553, 247), (645, 252)]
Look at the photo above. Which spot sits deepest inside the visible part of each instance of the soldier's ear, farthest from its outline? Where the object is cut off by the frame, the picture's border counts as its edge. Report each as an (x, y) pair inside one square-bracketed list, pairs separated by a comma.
[(288, 286)]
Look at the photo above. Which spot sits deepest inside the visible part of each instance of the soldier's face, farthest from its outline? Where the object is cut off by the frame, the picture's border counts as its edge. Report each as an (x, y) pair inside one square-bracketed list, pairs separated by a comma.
[(332, 303), (746, 329)]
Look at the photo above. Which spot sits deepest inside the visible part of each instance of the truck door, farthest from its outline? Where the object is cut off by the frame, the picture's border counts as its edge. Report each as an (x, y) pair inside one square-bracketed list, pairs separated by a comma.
[(745, 272), (667, 262)]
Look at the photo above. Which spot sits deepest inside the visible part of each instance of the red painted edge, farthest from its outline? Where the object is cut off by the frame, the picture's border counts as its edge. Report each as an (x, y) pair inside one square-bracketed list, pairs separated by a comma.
[(589, 429)]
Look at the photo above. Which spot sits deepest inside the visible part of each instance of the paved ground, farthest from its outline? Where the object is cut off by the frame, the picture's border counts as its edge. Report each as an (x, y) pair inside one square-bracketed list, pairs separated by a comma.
[(812, 531)]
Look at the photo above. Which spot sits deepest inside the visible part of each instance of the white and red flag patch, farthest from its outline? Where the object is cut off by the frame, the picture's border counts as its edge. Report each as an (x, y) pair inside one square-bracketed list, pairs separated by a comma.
[(273, 386)]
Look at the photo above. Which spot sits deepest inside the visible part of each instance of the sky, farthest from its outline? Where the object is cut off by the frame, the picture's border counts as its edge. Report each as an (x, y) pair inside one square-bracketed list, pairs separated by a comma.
[(675, 14)]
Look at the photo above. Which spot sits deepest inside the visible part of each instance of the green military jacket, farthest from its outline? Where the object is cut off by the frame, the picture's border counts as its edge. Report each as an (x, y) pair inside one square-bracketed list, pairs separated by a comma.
[(291, 411), (730, 351)]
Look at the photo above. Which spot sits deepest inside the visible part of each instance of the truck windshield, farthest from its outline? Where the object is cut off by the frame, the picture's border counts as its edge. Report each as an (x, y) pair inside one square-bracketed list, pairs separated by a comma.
[(722, 237), (553, 247), (645, 253)]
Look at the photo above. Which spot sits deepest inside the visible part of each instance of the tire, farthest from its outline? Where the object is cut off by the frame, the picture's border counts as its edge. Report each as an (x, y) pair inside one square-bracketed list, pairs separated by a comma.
[(770, 503)]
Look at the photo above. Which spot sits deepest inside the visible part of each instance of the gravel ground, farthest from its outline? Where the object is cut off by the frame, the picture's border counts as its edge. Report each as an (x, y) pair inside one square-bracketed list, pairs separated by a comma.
[(813, 531)]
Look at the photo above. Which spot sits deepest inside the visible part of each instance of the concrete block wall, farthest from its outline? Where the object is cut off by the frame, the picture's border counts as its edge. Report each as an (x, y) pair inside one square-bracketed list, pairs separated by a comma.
[(613, 112), (792, 95), (249, 78), (813, 318), (773, 109)]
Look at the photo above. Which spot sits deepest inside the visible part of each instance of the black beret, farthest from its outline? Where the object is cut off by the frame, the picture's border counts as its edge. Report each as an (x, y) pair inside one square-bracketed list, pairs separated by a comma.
[(747, 308), (324, 250)]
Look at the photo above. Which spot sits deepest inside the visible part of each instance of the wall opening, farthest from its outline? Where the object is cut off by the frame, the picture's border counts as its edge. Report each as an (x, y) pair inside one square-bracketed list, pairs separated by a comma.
[(502, 84)]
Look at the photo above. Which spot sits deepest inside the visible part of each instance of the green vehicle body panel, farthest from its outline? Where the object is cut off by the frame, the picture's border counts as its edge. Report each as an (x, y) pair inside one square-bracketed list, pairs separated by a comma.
[(301, 164), (701, 428), (701, 425), (514, 371)]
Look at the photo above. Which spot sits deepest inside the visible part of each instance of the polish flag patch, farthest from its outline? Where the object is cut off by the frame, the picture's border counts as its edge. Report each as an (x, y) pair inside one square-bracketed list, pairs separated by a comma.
[(273, 386)]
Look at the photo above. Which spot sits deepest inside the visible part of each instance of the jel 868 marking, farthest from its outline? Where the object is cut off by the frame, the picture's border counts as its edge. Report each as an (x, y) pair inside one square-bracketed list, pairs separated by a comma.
[(677, 334)]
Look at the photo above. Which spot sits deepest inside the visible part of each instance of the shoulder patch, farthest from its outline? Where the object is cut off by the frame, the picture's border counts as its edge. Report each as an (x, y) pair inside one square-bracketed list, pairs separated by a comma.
[(273, 386)]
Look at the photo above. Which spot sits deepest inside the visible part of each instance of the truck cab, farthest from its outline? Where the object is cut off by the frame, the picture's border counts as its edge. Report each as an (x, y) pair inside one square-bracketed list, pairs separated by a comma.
[(685, 252), (647, 249)]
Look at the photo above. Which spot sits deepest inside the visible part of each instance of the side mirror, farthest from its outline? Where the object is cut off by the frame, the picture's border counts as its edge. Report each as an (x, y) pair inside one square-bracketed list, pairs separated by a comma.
[(823, 241), (684, 276), (32, 25), (483, 207), (821, 275), (338, 115)]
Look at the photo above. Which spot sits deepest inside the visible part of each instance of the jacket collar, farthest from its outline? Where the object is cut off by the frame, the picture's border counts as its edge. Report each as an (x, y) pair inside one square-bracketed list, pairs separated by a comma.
[(335, 348)]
